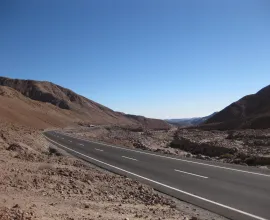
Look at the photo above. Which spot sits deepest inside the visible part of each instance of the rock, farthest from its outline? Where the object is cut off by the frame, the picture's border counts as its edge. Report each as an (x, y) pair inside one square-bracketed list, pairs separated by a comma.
[(237, 161), (16, 206), (15, 147), (173, 206), (199, 156), (207, 158), (139, 145)]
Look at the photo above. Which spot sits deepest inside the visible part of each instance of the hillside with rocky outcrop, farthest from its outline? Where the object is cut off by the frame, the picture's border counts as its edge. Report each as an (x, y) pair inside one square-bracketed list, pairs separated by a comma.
[(251, 111), (39, 181), (58, 106)]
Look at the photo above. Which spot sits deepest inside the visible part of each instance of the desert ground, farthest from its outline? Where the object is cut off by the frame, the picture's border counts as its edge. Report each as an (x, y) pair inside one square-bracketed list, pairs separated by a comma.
[(245, 147), (39, 181)]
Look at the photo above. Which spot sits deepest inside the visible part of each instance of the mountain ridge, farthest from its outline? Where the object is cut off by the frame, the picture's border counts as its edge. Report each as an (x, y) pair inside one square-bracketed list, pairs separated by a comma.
[(251, 111), (79, 108), (187, 122)]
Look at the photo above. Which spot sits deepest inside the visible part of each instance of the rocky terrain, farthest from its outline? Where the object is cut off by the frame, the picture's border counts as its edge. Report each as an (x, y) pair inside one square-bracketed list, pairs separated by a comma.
[(251, 111), (246, 147), (37, 181), (158, 141), (49, 104)]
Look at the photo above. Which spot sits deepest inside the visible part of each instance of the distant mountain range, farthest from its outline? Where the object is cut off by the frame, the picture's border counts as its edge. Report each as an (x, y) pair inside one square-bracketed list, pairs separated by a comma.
[(251, 111), (44, 104), (187, 122)]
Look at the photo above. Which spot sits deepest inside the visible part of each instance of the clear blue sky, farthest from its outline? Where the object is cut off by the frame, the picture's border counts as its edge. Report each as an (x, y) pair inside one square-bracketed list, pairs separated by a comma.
[(162, 59)]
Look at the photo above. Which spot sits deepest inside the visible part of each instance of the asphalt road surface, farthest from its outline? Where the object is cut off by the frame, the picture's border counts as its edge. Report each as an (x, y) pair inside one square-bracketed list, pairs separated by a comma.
[(236, 192)]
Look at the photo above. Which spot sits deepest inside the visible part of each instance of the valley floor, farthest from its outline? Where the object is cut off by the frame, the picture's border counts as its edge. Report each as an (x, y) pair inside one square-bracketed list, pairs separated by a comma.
[(38, 181), (245, 147)]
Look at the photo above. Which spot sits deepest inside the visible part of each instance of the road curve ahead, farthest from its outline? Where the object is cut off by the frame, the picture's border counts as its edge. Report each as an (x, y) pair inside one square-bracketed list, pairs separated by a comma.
[(236, 192)]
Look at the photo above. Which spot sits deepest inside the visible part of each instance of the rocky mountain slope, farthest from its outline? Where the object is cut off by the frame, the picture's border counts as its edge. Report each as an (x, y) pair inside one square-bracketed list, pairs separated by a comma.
[(17, 108), (251, 111), (57, 106), (149, 123), (39, 181)]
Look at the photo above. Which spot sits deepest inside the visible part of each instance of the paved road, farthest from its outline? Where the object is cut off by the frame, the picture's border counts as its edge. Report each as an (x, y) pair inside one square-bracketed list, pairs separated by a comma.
[(236, 192)]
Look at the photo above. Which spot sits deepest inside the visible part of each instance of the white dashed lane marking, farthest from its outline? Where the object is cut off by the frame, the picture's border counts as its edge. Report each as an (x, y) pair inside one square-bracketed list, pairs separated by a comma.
[(162, 184), (180, 171), (172, 158), (129, 158)]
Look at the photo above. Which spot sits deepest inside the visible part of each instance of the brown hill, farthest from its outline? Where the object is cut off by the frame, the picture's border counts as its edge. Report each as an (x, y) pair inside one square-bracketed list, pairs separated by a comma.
[(16, 108), (44, 104), (149, 123), (252, 111)]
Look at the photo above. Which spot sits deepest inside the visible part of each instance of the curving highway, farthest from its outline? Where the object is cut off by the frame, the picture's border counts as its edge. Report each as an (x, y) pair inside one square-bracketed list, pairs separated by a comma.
[(236, 192)]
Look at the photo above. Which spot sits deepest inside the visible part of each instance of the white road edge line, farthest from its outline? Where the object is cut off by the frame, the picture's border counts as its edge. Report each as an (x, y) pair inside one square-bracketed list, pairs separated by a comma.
[(191, 174), (161, 184), (172, 158), (98, 149), (129, 158)]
